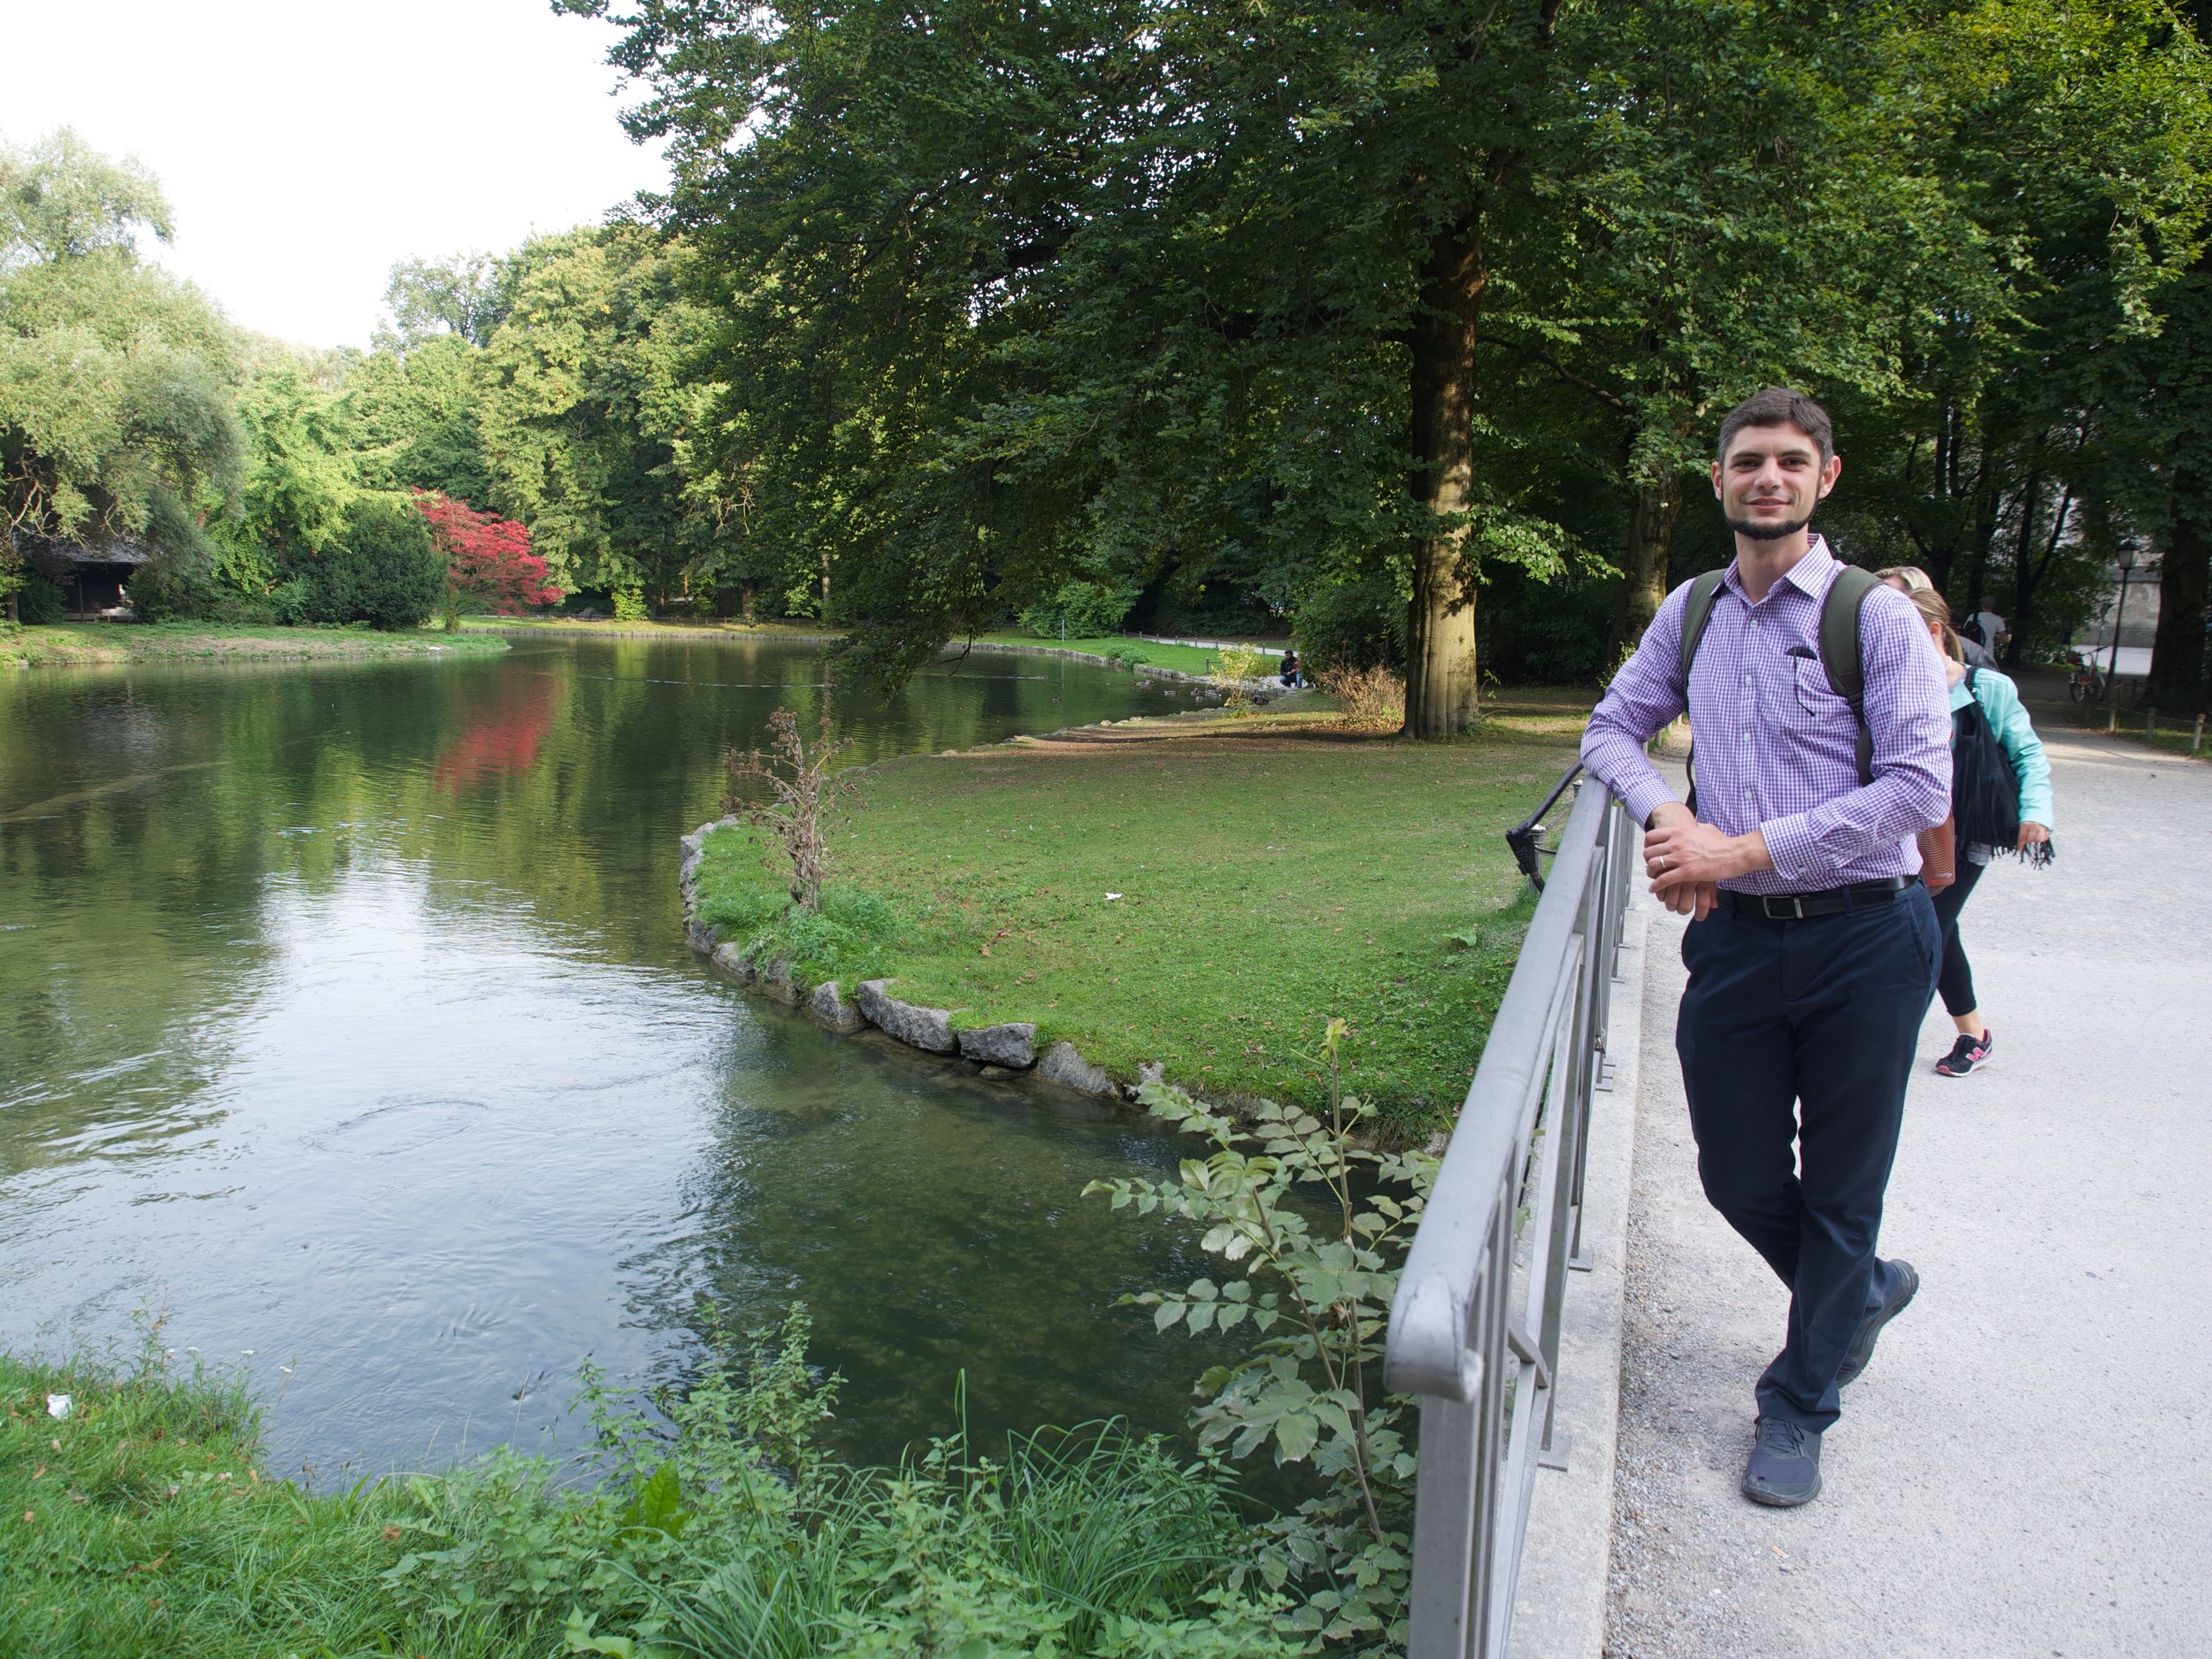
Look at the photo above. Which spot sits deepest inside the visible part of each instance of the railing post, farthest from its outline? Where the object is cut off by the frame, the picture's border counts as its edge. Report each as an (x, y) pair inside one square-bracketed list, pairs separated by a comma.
[(1612, 885)]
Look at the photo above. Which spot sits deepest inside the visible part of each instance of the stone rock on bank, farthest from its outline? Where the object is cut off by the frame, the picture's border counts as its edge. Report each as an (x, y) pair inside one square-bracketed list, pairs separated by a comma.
[(1003, 1048), (1063, 1065), (1011, 1046), (929, 1028), (695, 846), (827, 1004)]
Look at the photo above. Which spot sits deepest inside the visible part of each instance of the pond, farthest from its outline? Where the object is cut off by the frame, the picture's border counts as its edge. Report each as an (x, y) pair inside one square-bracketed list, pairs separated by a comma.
[(349, 1025)]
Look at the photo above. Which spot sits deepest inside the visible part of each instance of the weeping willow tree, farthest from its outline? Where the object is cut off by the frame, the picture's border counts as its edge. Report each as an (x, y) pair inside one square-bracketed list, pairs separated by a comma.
[(115, 379)]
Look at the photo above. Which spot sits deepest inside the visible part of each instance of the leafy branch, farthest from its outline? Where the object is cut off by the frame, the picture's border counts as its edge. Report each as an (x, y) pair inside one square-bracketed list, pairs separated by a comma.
[(1314, 1280)]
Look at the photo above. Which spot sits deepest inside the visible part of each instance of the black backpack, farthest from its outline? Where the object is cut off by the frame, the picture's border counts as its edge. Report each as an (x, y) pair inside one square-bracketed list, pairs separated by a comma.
[(1984, 789), (1840, 658)]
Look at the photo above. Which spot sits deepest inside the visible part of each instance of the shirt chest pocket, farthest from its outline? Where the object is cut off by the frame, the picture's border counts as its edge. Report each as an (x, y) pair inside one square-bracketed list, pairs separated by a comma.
[(1817, 703)]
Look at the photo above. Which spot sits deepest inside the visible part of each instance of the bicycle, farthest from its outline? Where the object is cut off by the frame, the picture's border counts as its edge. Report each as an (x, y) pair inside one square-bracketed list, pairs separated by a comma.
[(2086, 684)]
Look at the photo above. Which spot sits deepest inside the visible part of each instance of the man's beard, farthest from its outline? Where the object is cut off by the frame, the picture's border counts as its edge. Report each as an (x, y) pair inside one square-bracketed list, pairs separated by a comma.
[(1768, 532)]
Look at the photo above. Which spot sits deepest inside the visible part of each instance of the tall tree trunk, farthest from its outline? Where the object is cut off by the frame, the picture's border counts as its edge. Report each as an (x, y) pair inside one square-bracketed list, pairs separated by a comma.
[(2023, 590), (1940, 559), (2027, 579), (2178, 677), (1442, 695), (1654, 507), (2181, 679)]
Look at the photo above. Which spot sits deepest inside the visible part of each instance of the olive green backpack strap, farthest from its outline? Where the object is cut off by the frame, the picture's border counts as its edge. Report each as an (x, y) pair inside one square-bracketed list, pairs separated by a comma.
[(1697, 611), (1842, 656)]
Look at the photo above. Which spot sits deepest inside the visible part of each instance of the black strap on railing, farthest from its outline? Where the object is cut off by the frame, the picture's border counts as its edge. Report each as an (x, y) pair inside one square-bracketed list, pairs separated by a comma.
[(1524, 838)]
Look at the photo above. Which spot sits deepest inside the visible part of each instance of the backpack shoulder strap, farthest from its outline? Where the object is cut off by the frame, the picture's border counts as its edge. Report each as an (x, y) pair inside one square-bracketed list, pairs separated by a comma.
[(1841, 651), (1697, 611)]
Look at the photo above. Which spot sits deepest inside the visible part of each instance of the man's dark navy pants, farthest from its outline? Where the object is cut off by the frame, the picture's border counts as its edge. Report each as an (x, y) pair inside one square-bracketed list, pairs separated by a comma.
[(1803, 1032)]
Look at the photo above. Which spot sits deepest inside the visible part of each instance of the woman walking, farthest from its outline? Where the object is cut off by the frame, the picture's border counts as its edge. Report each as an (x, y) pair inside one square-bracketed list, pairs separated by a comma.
[(1912, 581), (1997, 703)]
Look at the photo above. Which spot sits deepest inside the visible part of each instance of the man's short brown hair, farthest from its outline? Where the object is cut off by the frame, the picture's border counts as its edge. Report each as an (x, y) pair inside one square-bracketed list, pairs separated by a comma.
[(1779, 406)]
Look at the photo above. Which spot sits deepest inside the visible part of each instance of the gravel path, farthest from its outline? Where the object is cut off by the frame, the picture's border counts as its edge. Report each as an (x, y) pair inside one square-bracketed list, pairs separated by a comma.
[(2025, 1468)]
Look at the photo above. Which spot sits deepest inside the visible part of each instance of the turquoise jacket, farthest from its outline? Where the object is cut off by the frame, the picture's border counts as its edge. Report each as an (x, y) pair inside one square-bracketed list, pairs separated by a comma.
[(2000, 707)]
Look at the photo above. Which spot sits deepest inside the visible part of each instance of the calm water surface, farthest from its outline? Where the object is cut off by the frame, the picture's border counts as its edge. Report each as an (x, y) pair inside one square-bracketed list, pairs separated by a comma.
[(345, 1015)]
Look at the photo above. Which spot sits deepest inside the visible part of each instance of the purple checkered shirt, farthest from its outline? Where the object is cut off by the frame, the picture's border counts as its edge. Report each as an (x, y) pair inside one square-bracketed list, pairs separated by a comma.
[(1776, 748)]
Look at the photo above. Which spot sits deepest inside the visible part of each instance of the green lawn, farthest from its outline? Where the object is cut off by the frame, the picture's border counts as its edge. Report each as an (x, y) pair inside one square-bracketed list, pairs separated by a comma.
[(1184, 659), (2044, 692), (142, 1525), (1204, 893), (64, 644)]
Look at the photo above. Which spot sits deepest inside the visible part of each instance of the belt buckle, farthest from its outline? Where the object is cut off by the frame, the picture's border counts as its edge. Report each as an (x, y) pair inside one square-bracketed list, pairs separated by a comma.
[(1795, 913)]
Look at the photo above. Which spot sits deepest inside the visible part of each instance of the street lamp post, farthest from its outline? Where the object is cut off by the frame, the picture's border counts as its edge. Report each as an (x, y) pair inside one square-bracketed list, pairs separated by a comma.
[(2119, 615)]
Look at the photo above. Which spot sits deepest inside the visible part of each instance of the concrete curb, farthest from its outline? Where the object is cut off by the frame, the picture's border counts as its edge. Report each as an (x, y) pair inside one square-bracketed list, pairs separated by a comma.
[(1559, 1607)]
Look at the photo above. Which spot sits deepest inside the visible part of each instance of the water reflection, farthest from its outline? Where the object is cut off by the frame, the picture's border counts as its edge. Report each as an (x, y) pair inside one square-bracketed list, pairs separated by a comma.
[(346, 1012), (504, 734)]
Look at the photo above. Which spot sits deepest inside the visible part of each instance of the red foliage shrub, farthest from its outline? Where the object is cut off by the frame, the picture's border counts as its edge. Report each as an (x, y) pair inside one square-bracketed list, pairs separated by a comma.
[(486, 557)]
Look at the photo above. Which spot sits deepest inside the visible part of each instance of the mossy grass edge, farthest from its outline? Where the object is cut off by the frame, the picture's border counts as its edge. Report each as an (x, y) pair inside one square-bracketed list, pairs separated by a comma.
[(70, 644)]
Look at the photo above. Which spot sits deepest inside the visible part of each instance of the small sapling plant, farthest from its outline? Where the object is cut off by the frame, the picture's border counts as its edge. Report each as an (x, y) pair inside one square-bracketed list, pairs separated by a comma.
[(1234, 665), (800, 788)]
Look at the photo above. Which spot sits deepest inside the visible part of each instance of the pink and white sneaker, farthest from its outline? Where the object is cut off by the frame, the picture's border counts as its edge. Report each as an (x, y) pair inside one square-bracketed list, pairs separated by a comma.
[(1968, 1054)]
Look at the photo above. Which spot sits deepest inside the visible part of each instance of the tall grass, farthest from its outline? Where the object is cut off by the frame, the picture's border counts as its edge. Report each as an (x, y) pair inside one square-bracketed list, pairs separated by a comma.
[(1104, 1524), (1373, 697), (142, 1523)]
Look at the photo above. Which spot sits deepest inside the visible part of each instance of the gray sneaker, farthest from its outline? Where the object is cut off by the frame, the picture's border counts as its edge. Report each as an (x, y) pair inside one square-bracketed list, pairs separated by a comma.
[(1904, 1284), (1785, 1467)]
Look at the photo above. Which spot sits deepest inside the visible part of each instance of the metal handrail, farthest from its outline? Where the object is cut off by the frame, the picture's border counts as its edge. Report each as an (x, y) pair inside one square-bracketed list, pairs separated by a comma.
[(1474, 1329)]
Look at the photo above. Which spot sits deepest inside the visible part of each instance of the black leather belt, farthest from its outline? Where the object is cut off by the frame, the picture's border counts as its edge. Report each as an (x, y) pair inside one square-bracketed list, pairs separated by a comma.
[(1790, 907)]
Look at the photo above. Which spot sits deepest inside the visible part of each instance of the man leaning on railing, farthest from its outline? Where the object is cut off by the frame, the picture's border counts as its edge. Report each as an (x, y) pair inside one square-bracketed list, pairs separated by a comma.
[(1812, 947)]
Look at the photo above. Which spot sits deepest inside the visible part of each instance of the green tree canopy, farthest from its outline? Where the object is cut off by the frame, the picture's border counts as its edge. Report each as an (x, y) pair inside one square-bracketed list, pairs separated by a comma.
[(1296, 297), (379, 565), (2073, 146), (416, 415), (300, 476), (585, 401), (1105, 288), (115, 407), (465, 297)]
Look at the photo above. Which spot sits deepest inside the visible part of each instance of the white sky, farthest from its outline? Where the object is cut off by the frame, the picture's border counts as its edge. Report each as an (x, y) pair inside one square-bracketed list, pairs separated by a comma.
[(306, 145)]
